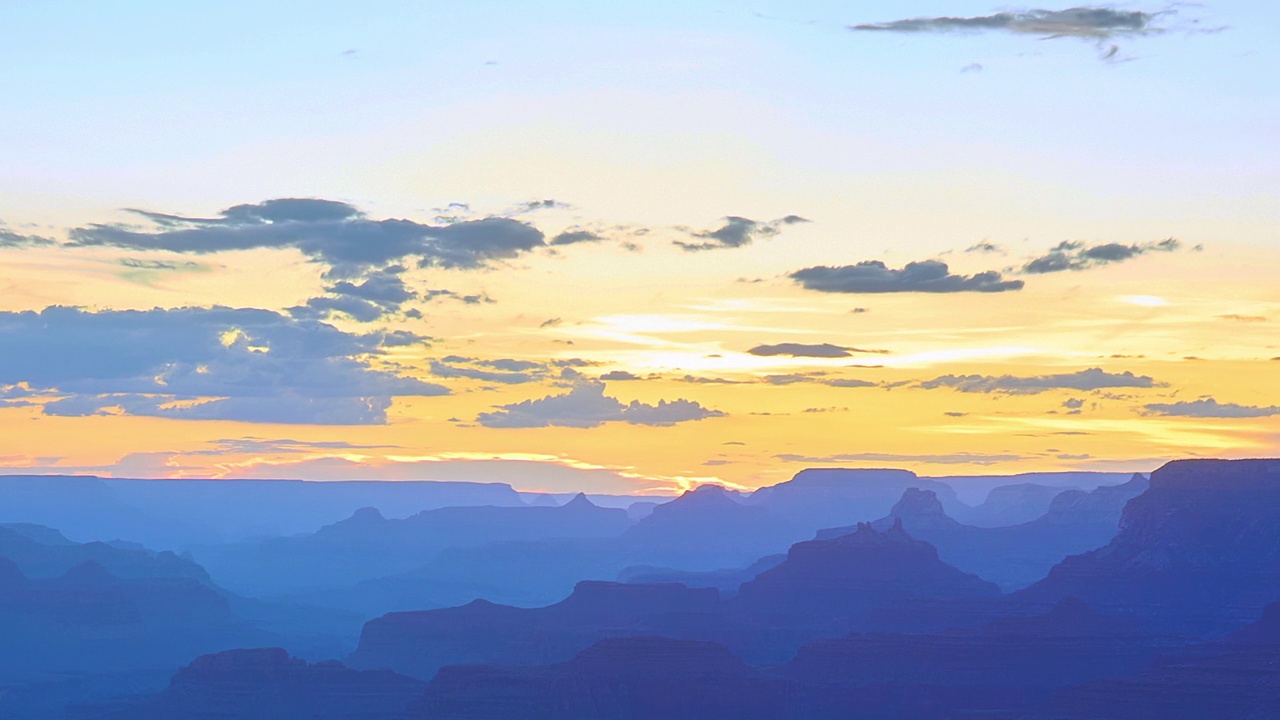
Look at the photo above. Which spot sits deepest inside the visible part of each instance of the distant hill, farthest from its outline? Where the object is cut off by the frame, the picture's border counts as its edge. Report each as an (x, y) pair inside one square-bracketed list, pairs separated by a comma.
[(1013, 557), (368, 545), (1197, 553), (176, 514)]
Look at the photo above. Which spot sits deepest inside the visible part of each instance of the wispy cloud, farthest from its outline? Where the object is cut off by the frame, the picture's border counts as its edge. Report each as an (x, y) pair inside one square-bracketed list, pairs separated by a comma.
[(1091, 379), (738, 232), (1211, 408), (587, 406), (1090, 22), (1075, 255)]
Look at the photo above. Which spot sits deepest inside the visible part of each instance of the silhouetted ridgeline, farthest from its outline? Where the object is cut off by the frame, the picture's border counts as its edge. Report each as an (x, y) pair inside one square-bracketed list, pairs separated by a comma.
[(175, 514), (1197, 553), (1015, 556), (840, 594)]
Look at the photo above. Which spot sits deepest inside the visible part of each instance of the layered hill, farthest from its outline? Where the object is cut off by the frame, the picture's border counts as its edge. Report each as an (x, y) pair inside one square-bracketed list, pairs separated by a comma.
[(1197, 553), (1016, 556), (368, 545), (266, 684)]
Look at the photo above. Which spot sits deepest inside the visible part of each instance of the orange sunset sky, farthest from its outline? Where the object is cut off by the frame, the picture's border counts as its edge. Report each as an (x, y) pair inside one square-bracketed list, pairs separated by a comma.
[(634, 250)]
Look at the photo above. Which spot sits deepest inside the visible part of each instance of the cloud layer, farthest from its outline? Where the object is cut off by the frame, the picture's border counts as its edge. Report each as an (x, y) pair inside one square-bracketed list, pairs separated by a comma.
[(587, 406), (203, 363), (926, 276), (1091, 379), (738, 232), (327, 231), (1075, 255), (1211, 408), (1096, 23)]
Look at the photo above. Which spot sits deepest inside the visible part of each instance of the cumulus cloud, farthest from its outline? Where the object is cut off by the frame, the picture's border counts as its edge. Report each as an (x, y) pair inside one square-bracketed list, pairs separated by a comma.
[(203, 363), (587, 406), (738, 232), (1095, 23), (1075, 255), (873, 276), (334, 233), (1091, 379), (1211, 408)]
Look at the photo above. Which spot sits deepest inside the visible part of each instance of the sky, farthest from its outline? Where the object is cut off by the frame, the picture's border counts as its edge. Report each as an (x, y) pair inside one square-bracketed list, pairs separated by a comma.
[(632, 248)]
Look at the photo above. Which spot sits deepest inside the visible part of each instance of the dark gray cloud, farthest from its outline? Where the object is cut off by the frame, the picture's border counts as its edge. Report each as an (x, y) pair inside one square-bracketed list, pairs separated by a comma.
[(1210, 408), (1096, 23), (985, 247), (926, 276), (1091, 379), (333, 233), (587, 406), (373, 296), (738, 232), (620, 375), (10, 239), (824, 350), (206, 363), (574, 237), (1075, 255)]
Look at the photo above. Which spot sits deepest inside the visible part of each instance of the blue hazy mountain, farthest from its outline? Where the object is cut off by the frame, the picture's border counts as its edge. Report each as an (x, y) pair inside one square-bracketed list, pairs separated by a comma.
[(1152, 597), (1197, 553), (266, 684), (368, 545), (1014, 557), (823, 588), (176, 514)]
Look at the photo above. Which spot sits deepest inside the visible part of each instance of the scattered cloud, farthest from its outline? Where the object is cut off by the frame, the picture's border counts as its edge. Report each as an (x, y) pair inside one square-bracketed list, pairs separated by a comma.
[(985, 246), (926, 276), (10, 239), (1090, 22), (738, 232), (587, 406), (1076, 255), (823, 350), (1210, 408), (505, 371), (330, 232), (1091, 379), (1244, 318), (620, 375), (576, 236), (203, 363)]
